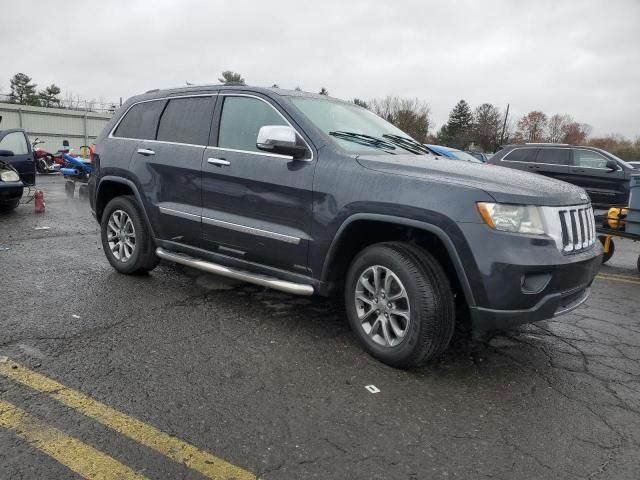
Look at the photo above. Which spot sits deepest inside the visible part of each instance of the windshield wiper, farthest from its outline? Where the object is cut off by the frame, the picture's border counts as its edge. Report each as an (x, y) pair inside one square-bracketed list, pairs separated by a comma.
[(408, 144), (364, 139)]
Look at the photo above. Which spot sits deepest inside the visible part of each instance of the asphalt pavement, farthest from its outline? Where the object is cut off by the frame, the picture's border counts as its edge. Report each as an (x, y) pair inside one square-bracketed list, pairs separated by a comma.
[(180, 374)]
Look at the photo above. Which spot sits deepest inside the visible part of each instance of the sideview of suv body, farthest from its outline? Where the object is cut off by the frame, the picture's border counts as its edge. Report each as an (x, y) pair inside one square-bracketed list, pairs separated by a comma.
[(312, 195), (604, 176)]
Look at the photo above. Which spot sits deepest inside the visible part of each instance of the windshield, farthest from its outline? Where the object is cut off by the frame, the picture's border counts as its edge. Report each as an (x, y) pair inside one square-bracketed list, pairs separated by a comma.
[(356, 129)]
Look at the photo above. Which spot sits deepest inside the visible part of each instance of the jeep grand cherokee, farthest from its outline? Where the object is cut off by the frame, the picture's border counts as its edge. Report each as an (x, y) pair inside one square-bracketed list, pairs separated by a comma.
[(312, 195)]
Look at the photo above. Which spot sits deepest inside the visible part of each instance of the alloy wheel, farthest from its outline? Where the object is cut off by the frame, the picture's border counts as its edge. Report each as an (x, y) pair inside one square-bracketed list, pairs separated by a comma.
[(382, 306), (121, 235)]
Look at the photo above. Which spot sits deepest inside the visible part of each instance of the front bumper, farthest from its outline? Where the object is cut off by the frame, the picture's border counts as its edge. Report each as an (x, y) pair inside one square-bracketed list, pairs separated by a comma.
[(524, 278), (10, 191)]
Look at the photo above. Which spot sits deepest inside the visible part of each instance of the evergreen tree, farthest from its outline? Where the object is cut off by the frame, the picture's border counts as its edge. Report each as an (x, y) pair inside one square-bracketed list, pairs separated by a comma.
[(231, 77), (360, 103), (487, 127), (458, 130), (22, 90), (49, 96), (323, 91)]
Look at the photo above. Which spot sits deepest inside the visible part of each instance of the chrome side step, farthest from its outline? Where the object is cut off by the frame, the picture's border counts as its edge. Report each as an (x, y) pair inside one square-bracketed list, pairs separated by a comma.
[(255, 278)]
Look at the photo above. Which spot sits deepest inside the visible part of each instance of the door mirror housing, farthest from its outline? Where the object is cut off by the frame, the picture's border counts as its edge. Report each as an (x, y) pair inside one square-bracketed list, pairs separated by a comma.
[(612, 165), (6, 153), (280, 139)]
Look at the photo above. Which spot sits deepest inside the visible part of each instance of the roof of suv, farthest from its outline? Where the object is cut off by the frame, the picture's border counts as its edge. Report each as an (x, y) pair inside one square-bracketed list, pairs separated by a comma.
[(155, 93)]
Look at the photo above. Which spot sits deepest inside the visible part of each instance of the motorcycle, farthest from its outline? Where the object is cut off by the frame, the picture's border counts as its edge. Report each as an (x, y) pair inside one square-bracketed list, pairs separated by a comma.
[(46, 162)]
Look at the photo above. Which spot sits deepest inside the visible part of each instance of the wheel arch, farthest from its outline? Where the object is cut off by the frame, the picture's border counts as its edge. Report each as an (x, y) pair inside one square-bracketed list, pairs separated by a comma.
[(111, 187), (343, 247)]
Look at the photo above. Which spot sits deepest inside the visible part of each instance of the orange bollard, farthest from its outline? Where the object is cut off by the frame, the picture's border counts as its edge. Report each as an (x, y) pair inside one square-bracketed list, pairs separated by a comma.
[(39, 201)]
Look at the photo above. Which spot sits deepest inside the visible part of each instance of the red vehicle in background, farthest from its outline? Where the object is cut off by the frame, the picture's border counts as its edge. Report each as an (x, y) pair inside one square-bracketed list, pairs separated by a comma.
[(49, 162)]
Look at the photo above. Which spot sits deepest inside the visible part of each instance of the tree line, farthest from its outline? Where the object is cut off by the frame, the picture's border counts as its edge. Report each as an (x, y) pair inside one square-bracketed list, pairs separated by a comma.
[(24, 92), (484, 128)]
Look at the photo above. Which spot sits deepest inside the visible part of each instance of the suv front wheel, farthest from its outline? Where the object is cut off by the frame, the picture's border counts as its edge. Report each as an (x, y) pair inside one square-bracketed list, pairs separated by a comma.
[(399, 304), (126, 240)]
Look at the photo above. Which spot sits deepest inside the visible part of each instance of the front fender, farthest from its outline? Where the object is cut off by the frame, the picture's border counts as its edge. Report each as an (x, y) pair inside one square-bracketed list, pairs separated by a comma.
[(459, 251)]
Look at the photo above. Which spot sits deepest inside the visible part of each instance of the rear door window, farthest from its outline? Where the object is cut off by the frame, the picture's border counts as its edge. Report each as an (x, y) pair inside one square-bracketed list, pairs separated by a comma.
[(241, 120), (186, 120), (554, 156), (521, 155), (141, 121)]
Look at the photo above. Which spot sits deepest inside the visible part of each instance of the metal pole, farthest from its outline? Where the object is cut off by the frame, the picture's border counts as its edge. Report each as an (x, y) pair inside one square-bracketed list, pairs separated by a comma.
[(86, 140), (504, 124), (20, 117)]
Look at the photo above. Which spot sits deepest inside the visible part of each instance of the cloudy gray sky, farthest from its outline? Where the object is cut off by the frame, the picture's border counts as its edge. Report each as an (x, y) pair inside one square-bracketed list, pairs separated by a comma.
[(577, 57)]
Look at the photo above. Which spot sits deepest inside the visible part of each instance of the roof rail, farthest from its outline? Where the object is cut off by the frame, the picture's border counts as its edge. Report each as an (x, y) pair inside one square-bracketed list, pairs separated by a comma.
[(153, 90), (548, 143)]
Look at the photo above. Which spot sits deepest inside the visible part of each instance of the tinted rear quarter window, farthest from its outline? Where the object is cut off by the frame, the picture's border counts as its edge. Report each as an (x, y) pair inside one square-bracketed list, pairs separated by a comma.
[(186, 120), (141, 121), (554, 156), (521, 155)]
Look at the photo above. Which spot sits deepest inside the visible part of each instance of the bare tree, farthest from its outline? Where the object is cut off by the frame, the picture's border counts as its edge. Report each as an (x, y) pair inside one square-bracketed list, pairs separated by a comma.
[(410, 115), (532, 127), (556, 126), (575, 133)]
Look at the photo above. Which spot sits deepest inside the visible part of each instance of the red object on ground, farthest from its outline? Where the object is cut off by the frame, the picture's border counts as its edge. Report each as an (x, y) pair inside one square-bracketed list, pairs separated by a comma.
[(39, 201)]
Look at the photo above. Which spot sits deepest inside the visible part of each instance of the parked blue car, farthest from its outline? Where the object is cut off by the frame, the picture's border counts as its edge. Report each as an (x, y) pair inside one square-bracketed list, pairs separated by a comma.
[(453, 153)]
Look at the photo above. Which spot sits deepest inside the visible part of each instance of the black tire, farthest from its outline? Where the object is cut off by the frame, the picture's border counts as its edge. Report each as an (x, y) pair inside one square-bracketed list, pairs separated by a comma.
[(7, 207), (606, 256), (69, 188), (638, 264), (430, 303), (143, 257), (40, 164)]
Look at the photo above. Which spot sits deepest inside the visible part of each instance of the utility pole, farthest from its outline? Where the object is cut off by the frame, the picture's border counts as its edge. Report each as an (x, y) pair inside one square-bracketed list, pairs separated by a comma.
[(504, 124)]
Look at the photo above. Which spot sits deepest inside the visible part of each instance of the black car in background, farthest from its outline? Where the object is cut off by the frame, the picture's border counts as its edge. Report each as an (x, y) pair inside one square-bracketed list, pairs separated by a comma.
[(17, 167), (604, 176)]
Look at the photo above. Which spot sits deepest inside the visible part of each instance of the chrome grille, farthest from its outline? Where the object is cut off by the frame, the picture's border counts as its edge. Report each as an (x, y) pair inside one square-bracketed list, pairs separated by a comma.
[(578, 228)]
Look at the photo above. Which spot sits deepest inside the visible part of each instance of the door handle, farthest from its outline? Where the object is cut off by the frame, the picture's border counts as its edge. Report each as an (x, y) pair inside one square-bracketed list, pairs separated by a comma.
[(146, 152), (220, 162)]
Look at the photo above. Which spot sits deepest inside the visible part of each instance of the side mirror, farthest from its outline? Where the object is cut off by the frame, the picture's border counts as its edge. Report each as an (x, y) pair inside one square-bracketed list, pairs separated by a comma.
[(6, 153), (612, 165), (280, 139)]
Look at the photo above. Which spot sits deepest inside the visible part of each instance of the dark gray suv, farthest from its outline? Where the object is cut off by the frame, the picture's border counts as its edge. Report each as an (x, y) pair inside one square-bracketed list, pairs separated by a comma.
[(312, 195), (604, 176)]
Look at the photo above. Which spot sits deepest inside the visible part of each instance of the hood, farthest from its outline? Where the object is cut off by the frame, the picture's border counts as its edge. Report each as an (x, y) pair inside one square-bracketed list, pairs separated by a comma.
[(505, 185)]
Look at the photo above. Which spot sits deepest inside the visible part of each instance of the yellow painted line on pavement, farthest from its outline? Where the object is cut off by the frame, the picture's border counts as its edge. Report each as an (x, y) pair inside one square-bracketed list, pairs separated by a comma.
[(86, 461), (618, 278), (177, 450)]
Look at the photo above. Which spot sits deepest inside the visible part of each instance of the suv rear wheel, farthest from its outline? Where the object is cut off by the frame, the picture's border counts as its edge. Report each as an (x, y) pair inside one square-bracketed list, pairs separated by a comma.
[(126, 240), (399, 304)]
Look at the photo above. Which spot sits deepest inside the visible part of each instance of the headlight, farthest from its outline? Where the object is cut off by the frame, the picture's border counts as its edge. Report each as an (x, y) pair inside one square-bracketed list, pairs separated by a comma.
[(512, 218), (9, 176)]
